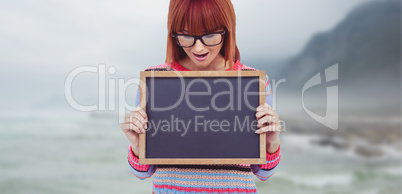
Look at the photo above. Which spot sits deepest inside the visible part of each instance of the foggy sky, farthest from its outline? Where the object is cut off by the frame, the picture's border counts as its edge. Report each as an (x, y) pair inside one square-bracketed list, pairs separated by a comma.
[(42, 41)]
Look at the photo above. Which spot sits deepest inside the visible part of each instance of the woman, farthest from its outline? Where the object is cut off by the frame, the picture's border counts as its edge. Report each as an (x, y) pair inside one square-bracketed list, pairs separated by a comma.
[(201, 37)]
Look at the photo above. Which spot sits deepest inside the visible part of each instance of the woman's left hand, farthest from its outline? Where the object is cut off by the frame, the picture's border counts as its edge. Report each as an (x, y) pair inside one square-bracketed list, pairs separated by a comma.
[(269, 123)]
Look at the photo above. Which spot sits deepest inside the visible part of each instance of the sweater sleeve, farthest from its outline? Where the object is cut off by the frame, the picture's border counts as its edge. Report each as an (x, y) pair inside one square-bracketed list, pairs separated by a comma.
[(265, 171), (142, 171)]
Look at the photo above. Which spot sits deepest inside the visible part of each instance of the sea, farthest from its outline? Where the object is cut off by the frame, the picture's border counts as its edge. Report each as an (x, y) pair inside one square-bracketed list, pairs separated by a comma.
[(58, 153)]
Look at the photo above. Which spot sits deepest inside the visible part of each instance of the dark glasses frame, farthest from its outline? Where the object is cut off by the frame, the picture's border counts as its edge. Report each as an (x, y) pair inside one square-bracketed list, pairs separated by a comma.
[(176, 37)]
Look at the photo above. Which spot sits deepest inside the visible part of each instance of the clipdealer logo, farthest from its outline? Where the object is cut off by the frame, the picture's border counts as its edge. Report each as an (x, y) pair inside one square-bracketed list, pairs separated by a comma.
[(331, 114), (109, 100)]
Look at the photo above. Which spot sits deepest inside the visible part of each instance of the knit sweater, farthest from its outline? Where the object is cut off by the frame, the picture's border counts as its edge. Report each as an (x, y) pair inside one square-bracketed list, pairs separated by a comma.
[(234, 178)]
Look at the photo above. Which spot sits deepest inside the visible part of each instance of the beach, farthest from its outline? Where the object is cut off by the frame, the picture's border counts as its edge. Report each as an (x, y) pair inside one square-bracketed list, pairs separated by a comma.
[(79, 153)]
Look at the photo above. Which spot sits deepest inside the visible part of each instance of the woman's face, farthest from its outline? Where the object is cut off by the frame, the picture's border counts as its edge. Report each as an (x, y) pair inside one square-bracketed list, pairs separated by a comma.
[(204, 57)]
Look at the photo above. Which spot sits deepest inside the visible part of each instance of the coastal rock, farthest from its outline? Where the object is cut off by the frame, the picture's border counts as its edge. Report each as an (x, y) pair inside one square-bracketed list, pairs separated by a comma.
[(368, 152), (333, 142)]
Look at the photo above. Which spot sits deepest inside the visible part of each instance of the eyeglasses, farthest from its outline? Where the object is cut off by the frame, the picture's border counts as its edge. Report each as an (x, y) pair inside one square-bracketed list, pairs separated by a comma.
[(212, 39)]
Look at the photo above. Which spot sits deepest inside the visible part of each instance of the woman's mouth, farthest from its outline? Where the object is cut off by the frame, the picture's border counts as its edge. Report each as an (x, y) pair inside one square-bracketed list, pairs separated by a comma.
[(200, 57)]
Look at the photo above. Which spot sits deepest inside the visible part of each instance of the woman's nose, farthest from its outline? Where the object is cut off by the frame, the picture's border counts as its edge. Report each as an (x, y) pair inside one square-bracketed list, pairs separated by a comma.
[(198, 46)]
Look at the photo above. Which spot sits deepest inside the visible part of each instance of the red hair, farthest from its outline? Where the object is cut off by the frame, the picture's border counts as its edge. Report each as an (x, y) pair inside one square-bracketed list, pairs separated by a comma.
[(201, 17)]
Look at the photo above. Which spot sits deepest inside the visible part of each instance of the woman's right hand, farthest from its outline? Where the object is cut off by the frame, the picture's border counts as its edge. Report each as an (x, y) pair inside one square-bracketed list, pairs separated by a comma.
[(133, 124)]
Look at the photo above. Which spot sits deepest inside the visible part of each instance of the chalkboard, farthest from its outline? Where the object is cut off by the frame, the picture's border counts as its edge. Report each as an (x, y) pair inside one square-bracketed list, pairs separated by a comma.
[(202, 117)]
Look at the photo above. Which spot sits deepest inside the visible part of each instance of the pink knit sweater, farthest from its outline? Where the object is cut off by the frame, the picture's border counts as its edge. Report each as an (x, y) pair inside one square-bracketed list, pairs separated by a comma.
[(233, 178)]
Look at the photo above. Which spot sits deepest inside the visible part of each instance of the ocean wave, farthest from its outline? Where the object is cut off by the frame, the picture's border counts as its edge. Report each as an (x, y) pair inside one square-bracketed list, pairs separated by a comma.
[(318, 180)]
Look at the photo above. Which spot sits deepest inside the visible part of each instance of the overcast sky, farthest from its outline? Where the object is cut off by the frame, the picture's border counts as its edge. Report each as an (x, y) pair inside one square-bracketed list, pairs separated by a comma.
[(42, 41)]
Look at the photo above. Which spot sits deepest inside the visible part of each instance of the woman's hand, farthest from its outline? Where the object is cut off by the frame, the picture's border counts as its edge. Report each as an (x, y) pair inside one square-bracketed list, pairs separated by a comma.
[(133, 124), (269, 123)]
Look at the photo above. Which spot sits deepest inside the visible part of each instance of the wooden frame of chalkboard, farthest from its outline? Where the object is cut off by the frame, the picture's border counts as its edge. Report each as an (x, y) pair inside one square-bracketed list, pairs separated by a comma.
[(147, 152)]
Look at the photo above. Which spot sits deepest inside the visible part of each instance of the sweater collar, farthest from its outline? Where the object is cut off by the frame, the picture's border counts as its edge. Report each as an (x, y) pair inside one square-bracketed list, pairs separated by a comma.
[(177, 67)]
